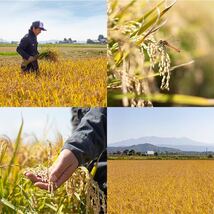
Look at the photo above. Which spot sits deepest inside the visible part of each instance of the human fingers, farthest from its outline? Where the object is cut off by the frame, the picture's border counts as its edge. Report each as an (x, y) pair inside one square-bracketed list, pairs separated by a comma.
[(66, 174), (64, 161), (34, 178)]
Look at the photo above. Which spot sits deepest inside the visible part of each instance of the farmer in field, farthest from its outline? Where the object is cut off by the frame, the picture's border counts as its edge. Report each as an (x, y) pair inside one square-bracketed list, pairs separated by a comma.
[(87, 143), (28, 48)]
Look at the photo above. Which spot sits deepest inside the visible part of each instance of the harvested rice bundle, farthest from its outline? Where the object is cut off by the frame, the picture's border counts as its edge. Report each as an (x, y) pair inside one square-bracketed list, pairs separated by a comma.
[(50, 55)]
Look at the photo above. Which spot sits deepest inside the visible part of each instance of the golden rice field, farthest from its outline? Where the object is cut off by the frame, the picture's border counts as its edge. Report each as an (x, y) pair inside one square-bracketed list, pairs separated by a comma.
[(79, 195), (160, 186), (68, 82)]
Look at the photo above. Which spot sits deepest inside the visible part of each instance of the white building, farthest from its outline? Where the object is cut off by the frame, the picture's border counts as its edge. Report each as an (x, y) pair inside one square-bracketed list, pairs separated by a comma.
[(150, 153)]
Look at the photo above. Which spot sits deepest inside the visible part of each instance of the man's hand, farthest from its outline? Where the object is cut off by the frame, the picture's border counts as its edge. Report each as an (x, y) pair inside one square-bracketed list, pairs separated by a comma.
[(25, 62), (60, 171), (32, 58)]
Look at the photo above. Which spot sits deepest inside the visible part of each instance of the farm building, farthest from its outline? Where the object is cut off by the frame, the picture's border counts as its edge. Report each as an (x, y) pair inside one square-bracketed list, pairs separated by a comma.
[(150, 153)]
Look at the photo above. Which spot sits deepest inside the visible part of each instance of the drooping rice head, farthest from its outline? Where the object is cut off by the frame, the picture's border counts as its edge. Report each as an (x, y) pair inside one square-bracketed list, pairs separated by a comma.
[(50, 55), (80, 186)]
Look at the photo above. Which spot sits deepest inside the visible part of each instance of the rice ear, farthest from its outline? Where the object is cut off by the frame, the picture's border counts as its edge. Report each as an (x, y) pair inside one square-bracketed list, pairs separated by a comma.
[(50, 55)]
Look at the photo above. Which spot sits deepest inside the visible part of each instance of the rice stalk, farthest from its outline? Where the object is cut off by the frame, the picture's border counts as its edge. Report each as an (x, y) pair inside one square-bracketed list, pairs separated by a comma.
[(49, 55), (131, 42), (17, 144), (80, 194)]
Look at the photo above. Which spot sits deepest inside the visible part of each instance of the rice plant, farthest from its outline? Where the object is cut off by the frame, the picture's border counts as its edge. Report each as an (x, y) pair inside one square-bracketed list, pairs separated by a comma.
[(50, 55), (160, 186), (80, 194), (129, 39), (61, 82), (136, 57)]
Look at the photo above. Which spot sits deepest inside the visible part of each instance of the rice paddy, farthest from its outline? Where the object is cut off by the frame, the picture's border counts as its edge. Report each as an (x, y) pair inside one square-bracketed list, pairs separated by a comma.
[(160, 186), (76, 78)]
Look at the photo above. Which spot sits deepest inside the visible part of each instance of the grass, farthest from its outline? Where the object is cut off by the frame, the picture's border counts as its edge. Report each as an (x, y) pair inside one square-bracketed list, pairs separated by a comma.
[(8, 54), (17, 193), (66, 50)]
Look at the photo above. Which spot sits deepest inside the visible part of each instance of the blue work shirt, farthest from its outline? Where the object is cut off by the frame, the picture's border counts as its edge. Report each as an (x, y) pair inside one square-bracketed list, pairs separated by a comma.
[(28, 45)]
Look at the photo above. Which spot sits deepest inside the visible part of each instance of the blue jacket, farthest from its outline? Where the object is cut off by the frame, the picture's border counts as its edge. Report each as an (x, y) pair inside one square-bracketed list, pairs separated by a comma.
[(28, 46), (89, 139)]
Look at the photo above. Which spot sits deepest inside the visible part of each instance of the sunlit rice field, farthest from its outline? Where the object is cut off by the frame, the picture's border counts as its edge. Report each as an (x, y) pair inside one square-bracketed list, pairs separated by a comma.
[(68, 82), (76, 76), (160, 186)]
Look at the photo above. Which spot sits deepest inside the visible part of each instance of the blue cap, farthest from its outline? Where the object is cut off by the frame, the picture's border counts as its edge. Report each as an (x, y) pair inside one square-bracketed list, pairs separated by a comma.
[(38, 24)]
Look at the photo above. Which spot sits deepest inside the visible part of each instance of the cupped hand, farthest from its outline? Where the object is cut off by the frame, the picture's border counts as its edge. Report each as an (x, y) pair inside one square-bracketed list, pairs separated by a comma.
[(60, 171)]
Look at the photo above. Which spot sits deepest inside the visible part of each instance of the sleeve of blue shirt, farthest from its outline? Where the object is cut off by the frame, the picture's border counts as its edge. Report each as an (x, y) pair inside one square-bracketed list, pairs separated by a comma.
[(22, 47), (89, 139)]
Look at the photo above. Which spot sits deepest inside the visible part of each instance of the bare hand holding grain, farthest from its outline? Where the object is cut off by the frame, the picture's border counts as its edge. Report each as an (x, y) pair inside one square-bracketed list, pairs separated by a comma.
[(60, 171)]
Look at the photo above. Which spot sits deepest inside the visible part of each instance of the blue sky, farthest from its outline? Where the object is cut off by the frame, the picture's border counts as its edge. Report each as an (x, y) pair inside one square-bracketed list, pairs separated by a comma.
[(78, 19), (44, 123), (194, 123)]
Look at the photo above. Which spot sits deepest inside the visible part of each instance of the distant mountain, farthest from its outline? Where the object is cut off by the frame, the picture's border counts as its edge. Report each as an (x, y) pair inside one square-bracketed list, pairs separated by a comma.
[(144, 148), (184, 144)]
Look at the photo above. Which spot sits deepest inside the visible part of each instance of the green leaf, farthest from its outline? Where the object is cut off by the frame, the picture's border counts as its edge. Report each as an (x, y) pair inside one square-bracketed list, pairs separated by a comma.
[(28, 199), (51, 206), (123, 11), (182, 99), (144, 17), (154, 20), (8, 204), (178, 99), (18, 140), (59, 211)]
